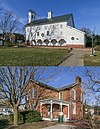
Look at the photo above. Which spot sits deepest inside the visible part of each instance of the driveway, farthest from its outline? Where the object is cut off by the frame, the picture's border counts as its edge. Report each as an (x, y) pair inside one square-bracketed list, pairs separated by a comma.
[(76, 59), (60, 126)]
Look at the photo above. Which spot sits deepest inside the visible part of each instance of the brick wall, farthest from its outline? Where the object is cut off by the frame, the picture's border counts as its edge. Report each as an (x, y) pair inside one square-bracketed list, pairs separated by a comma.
[(48, 93)]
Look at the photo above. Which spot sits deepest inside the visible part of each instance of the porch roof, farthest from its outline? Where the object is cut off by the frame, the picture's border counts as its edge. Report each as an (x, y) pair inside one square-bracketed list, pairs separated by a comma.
[(54, 101)]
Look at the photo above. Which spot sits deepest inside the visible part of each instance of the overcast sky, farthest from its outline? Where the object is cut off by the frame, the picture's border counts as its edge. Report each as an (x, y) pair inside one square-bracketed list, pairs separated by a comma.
[(86, 12)]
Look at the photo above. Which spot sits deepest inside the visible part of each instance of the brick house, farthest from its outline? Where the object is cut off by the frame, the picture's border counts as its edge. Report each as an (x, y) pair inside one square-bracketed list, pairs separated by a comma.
[(51, 102)]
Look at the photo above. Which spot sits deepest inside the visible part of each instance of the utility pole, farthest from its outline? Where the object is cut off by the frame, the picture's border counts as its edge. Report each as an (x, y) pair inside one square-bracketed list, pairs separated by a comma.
[(92, 44), (93, 33)]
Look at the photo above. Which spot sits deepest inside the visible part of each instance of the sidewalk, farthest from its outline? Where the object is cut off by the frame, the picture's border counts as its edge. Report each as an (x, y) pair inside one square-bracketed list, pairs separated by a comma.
[(60, 126), (77, 57)]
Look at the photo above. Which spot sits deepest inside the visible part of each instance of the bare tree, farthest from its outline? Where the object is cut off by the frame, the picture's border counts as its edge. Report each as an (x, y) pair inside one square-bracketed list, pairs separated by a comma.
[(13, 83), (93, 78), (87, 31), (8, 24), (39, 84), (31, 33)]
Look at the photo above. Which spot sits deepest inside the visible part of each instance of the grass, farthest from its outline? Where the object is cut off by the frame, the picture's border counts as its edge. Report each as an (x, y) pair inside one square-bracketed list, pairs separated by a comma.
[(92, 60), (32, 56)]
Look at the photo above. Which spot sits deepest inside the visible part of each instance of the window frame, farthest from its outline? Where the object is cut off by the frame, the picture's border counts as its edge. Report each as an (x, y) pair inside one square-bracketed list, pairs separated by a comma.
[(38, 34), (47, 33), (73, 94), (60, 95), (74, 108)]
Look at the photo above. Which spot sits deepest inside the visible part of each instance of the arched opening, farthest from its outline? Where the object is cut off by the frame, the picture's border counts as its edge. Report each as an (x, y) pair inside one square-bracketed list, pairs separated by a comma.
[(39, 42), (53, 41), (61, 42), (46, 41), (34, 42)]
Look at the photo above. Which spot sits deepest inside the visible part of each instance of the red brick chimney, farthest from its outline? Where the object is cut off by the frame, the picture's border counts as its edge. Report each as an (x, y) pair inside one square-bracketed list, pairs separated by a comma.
[(78, 80)]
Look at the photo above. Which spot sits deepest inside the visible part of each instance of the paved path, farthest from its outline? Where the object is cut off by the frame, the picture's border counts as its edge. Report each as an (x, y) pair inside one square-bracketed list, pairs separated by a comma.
[(77, 58), (60, 126)]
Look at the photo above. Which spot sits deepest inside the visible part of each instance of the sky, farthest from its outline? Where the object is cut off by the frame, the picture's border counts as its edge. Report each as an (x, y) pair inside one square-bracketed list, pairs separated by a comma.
[(86, 12)]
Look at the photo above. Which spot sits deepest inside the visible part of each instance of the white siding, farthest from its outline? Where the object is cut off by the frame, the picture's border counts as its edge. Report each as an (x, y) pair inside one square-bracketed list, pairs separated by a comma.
[(57, 31)]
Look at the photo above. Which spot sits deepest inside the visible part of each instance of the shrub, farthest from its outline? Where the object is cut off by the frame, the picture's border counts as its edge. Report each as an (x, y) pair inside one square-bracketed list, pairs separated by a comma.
[(32, 116), (27, 116), (87, 116)]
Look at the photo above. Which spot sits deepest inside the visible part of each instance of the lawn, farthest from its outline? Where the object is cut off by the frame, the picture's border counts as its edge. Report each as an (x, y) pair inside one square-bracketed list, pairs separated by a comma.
[(92, 60), (32, 56)]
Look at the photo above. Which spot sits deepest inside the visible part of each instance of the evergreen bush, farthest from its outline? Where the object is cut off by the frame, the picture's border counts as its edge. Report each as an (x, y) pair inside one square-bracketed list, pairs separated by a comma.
[(28, 116)]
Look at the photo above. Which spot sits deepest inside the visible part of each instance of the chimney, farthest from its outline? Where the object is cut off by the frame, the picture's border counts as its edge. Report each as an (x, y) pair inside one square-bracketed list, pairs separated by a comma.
[(50, 15), (78, 80)]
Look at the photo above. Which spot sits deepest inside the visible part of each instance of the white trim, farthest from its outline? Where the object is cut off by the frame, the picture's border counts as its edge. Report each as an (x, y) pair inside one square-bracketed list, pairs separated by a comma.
[(74, 94), (59, 95), (46, 118), (74, 108), (68, 111), (67, 118), (41, 108), (51, 115)]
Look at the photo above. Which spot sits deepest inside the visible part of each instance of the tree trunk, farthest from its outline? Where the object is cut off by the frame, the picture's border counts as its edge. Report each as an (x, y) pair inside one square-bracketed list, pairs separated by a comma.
[(15, 116), (2, 42)]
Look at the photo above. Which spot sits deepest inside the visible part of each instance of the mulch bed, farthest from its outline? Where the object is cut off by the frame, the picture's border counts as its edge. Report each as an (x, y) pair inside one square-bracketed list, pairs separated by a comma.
[(34, 125), (79, 124)]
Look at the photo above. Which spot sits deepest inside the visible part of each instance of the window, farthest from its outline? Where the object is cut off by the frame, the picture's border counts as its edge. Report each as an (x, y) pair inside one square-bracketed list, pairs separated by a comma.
[(28, 97), (73, 94), (81, 97), (74, 108), (37, 33), (81, 107), (61, 26), (53, 26), (72, 38), (61, 33), (60, 95), (45, 27), (47, 33), (28, 29), (34, 93)]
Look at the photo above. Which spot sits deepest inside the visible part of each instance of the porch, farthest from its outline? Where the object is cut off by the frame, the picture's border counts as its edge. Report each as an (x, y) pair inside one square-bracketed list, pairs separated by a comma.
[(50, 109)]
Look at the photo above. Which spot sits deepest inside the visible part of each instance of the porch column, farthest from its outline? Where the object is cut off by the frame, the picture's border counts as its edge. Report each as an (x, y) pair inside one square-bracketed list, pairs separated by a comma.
[(51, 115), (60, 106), (41, 108), (68, 111)]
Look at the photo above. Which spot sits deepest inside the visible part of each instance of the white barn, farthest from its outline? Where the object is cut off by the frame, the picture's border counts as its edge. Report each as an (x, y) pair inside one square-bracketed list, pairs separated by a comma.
[(53, 31)]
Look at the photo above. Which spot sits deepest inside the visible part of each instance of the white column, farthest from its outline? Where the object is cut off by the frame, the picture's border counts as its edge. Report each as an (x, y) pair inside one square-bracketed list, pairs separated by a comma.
[(68, 111), (60, 106), (51, 115), (41, 108)]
